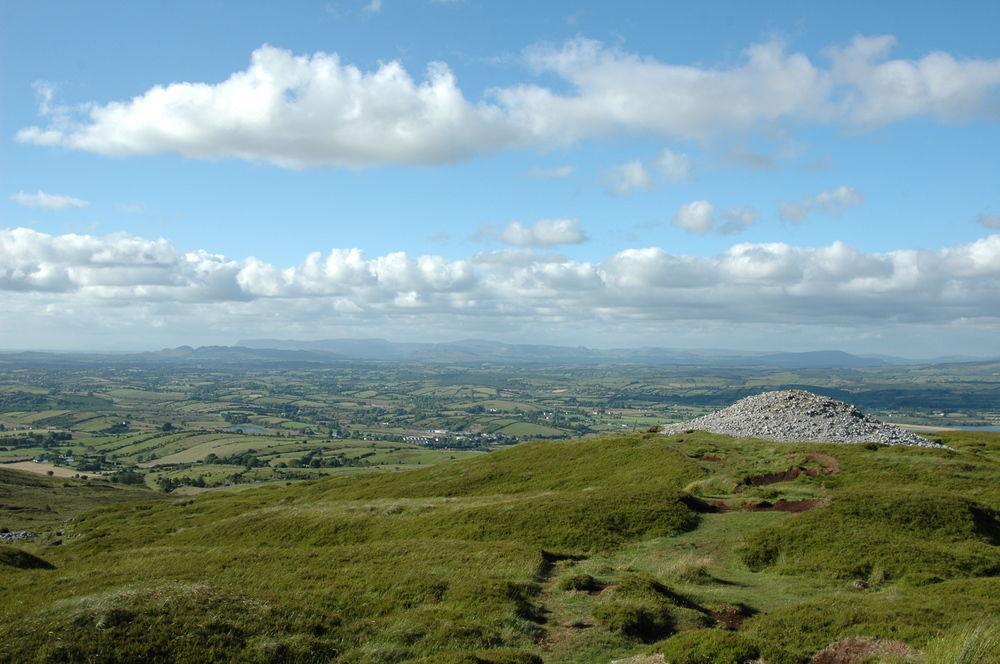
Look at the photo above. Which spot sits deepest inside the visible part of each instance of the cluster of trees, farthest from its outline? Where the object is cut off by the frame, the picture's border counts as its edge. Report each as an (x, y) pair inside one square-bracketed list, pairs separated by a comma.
[(315, 459), (236, 418), (248, 459), (127, 476), (168, 484), (92, 462), (45, 441), (117, 428)]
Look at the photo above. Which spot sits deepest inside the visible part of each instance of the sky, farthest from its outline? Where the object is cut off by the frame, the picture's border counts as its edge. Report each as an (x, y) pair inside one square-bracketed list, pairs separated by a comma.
[(753, 176)]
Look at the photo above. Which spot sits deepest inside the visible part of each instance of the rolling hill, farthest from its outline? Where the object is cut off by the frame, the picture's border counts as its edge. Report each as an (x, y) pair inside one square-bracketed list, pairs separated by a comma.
[(573, 551)]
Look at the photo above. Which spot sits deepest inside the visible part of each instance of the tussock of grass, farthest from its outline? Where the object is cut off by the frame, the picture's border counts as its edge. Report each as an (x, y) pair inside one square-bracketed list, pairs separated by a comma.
[(691, 569), (708, 646), (644, 609), (581, 582), (975, 643)]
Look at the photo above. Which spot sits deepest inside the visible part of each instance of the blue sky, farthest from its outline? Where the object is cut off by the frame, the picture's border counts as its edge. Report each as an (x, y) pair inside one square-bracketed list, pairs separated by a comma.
[(797, 173)]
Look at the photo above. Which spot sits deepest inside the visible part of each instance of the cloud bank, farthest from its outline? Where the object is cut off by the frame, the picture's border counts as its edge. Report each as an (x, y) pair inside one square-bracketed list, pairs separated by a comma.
[(114, 283), (312, 110)]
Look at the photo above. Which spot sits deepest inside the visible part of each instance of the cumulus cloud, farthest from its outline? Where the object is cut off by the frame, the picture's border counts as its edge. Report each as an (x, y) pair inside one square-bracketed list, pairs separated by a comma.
[(544, 233), (988, 220), (634, 176), (835, 201), (309, 110), (40, 199), (738, 219), (700, 217), (695, 217), (123, 284), (877, 90), (675, 166), (628, 178), (295, 111)]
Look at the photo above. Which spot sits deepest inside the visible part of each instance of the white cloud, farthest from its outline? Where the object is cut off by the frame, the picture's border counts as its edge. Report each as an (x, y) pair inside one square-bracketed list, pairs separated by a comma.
[(563, 171), (877, 90), (988, 220), (545, 233), (738, 219), (628, 178), (373, 6), (48, 201), (835, 202), (695, 217), (125, 285), (699, 217), (315, 110), (675, 166), (295, 111)]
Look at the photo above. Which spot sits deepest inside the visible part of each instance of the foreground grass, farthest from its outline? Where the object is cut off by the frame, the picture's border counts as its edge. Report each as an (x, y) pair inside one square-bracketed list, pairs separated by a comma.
[(566, 551)]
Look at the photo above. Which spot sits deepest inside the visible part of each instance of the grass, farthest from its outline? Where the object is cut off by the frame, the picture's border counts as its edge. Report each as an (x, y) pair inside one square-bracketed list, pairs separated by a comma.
[(915, 534), (39, 503), (574, 551)]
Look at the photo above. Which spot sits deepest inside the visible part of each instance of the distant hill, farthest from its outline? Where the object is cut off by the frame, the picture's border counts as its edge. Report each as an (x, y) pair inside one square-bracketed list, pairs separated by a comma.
[(820, 359), (473, 351), (478, 350)]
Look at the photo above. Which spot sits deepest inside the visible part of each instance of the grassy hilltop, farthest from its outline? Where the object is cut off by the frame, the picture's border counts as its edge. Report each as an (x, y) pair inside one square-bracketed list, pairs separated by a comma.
[(702, 547)]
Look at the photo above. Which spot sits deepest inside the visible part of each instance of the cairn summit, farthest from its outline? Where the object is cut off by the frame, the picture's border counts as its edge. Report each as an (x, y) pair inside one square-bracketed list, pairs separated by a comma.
[(800, 416)]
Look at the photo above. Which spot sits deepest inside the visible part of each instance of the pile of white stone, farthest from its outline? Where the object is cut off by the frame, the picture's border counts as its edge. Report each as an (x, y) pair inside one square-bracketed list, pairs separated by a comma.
[(797, 415), (17, 536)]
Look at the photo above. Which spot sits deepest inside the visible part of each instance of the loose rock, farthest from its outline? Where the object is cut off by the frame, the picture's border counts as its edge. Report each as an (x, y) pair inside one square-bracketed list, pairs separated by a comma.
[(17, 536), (800, 416)]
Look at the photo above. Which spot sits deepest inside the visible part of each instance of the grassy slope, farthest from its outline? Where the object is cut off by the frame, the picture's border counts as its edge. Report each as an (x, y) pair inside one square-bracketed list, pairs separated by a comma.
[(470, 559), (41, 504)]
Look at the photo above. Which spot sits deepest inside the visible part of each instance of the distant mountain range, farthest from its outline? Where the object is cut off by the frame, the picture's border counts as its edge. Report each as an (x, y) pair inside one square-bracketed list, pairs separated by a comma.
[(471, 351), (477, 350)]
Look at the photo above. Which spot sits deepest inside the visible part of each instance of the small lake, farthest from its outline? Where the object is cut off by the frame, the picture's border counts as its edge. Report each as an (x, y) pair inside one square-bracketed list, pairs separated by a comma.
[(244, 428), (949, 427), (988, 427)]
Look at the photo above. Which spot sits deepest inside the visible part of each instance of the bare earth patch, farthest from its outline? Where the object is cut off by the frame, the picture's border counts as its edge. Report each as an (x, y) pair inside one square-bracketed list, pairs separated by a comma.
[(859, 648)]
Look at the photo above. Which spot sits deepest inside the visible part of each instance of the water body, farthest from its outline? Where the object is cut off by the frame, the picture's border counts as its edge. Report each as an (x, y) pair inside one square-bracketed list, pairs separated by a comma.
[(244, 428), (927, 427), (988, 427)]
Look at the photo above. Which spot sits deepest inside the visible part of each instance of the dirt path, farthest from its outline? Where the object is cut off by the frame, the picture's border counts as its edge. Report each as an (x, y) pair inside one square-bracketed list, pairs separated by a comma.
[(561, 630)]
